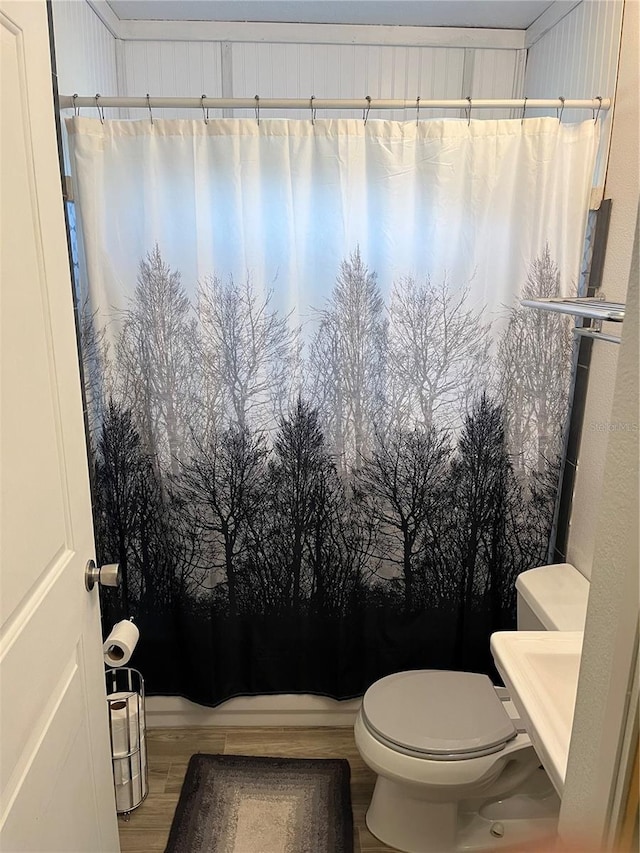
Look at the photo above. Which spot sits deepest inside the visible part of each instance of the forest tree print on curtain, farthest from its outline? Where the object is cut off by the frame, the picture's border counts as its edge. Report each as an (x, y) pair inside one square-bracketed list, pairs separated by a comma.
[(393, 486), (307, 500)]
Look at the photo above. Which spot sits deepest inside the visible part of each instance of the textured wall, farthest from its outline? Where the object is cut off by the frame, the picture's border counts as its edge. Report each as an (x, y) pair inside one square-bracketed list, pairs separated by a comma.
[(85, 51), (85, 57), (172, 68), (612, 619), (578, 58), (593, 50), (610, 649), (244, 69), (91, 60)]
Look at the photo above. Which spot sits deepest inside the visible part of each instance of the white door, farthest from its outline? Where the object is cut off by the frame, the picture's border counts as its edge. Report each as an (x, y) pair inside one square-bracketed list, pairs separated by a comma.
[(57, 793)]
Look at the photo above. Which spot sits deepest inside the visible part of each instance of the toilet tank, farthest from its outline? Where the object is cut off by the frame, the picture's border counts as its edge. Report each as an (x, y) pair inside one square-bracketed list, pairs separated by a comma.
[(552, 598)]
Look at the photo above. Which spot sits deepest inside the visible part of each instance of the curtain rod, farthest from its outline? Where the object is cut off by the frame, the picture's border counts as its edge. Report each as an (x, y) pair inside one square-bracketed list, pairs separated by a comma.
[(257, 103)]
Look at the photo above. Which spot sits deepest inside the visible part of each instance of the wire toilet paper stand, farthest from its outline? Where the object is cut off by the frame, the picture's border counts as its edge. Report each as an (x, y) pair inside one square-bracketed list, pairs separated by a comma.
[(125, 701)]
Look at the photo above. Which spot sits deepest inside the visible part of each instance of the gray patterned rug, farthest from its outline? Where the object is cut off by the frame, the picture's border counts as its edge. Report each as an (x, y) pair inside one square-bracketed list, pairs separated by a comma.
[(244, 804)]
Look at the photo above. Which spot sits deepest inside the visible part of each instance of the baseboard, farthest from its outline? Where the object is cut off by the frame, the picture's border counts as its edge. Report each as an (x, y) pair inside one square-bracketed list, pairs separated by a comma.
[(280, 710)]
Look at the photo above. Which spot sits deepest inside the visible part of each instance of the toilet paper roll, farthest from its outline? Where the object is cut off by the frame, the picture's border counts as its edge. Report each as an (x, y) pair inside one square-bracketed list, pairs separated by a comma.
[(125, 723), (130, 777), (125, 769), (119, 645), (130, 794)]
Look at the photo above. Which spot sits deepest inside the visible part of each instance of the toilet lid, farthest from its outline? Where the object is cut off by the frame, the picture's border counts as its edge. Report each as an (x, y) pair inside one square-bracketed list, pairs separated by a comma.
[(439, 714)]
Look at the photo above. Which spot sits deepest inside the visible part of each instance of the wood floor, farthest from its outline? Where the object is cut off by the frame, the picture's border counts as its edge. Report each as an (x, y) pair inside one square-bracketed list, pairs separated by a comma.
[(169, 751)]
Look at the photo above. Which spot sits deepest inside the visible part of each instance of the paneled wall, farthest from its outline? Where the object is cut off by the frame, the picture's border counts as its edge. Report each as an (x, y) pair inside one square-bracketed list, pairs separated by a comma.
[(85, 51), (578, 58), (496, 74), (346, 71), (290, 70), (85, 56), (171, 68), (91, 60)]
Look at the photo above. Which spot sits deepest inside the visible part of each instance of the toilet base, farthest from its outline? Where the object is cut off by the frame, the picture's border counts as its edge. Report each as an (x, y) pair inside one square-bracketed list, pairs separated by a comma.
[(414, 826), (411, 824)]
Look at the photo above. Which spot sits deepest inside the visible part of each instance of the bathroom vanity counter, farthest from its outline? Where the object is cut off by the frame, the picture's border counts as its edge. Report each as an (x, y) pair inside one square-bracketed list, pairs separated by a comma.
[(540, 671)]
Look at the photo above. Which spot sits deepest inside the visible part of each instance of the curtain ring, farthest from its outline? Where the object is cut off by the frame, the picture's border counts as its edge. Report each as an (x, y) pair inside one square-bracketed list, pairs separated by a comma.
[(313, 109), (76, 108), (257, 108), (365, 112), (205, 113), (149, 107), (100, 110), (561, 99), (417, 109), (524, 110), (597, 115), (468, 111)]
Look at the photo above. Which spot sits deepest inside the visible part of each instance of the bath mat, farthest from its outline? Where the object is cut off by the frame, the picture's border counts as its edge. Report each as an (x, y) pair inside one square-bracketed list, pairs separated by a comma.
[(246, 804)]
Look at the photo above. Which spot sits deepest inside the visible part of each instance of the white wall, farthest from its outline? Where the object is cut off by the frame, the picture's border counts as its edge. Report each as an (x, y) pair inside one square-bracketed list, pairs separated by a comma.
[(604, 716), (578, 58), (85, 51), (86, 60), (286, 60), (605, 525), (171, 68), (338, 70)]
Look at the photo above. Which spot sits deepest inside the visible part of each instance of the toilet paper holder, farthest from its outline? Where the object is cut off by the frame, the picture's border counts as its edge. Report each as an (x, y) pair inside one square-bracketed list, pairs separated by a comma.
[(127, 727)]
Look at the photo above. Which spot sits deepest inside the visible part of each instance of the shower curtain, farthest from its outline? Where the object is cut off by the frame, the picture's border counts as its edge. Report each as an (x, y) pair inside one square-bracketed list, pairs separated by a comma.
[(324, 436)]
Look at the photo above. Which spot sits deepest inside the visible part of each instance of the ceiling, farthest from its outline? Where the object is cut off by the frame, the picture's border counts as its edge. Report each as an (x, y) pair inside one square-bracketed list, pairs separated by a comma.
[(500, 14)]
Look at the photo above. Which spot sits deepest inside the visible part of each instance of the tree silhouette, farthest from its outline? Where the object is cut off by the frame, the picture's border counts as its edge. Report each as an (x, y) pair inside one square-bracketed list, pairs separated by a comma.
[(248, 351), (340, 546), (129, 515), (502, 540), (301, 485), (221, 488), (348, 361), (535, 362), (535, 522), (155, 355), (479, 476), (349, 509), (96, 367), (404, 477), (116, 500), (438, 352)]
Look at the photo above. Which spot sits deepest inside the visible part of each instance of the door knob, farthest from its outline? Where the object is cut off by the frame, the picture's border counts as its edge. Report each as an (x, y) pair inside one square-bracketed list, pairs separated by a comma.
[(108, 575)]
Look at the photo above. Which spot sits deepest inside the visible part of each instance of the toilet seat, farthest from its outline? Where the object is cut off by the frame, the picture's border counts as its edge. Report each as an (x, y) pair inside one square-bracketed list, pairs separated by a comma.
[(437, 715)]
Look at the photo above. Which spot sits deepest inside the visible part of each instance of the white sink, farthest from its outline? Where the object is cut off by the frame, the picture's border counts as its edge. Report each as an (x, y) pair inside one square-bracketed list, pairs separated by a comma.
[(540, 670)]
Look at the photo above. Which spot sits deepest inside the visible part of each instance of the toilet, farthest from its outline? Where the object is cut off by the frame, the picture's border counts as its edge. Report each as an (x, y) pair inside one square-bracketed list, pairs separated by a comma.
[(456, 769)]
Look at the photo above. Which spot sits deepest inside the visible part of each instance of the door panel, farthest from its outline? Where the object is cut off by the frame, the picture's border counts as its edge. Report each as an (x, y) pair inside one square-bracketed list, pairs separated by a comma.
[(29, 394), (55, 773), (38, 641), (64, 746)]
